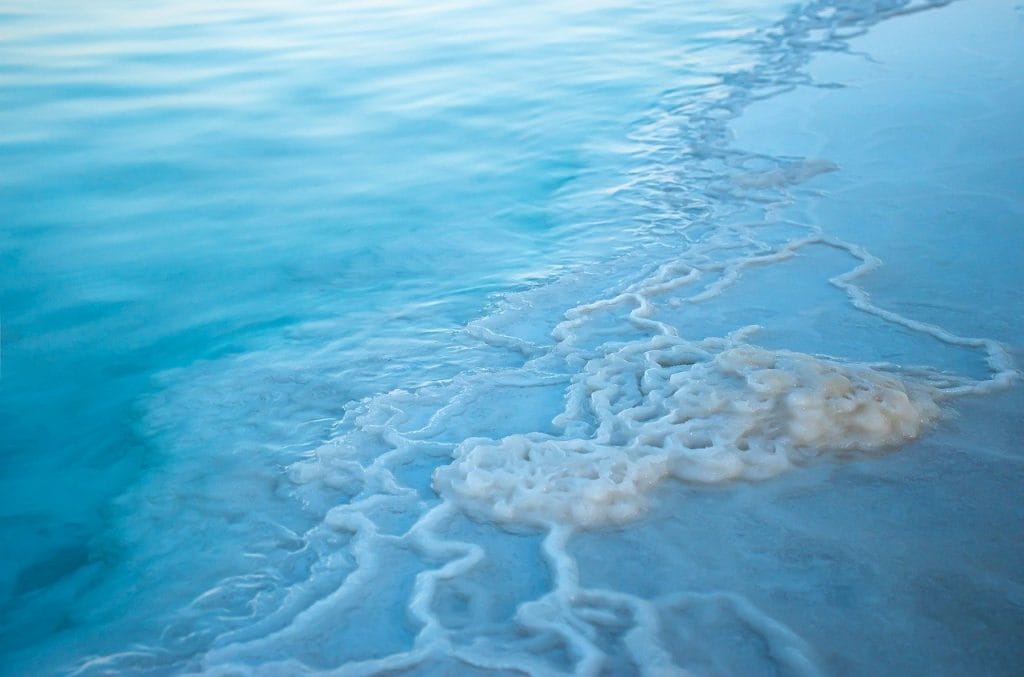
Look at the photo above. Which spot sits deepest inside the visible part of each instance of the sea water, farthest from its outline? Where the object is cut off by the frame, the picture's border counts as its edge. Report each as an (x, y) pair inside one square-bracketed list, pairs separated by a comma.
[(596, 338)]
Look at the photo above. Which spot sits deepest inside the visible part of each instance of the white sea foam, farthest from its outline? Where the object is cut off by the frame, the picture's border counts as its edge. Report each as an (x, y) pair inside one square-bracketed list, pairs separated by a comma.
[(369, 588), (703, 411)]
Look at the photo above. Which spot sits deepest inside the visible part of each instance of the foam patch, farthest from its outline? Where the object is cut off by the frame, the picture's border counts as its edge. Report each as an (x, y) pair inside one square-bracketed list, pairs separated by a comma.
[(706, 411)]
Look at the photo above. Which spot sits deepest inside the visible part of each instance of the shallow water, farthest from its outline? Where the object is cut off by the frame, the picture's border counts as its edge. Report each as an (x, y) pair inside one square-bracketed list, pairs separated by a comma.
[(369, 338)]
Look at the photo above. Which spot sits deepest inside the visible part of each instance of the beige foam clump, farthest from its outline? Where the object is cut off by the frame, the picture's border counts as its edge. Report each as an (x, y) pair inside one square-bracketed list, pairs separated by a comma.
[(702, 412)]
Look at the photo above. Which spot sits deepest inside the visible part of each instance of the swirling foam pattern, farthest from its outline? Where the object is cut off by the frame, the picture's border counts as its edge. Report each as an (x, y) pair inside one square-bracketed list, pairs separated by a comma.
[(614, 469), (704, 412)]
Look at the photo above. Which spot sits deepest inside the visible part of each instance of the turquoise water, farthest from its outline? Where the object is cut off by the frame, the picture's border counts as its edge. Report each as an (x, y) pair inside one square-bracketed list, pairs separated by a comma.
[(383, 337)]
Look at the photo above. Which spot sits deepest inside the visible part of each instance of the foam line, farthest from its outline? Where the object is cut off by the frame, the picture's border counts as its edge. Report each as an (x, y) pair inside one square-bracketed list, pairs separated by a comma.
[(792, 653), (648, 404), (497, 340), (999, 361), (468, 556), (554, 611)]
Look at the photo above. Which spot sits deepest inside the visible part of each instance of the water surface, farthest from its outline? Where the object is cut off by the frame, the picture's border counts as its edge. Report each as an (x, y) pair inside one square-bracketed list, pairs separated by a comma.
[(319, 319)]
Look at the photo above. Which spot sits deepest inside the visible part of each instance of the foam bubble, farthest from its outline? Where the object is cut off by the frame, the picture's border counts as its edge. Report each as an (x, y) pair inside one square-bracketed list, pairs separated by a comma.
[(705, 411)]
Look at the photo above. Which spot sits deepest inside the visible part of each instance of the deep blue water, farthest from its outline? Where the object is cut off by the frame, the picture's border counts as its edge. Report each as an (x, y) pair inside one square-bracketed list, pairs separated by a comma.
[(388, 336)]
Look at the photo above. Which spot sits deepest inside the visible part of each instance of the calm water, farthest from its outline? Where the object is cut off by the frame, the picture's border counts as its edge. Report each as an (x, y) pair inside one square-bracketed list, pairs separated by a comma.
[(387, 336)]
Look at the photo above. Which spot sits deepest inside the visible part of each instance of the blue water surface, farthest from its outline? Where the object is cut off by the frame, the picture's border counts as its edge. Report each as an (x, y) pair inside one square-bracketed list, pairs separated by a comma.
[(185, 182), (238, 238)]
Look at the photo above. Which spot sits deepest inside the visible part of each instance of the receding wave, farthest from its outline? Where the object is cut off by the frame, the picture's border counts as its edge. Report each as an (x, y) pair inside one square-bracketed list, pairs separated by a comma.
[(612, 380)]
